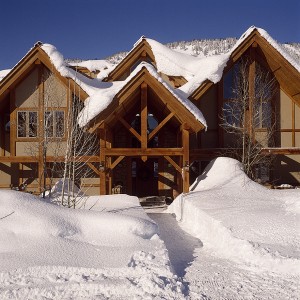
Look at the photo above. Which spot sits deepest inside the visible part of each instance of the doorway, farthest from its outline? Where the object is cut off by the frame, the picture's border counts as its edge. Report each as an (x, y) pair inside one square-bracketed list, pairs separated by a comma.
[(144, 177)]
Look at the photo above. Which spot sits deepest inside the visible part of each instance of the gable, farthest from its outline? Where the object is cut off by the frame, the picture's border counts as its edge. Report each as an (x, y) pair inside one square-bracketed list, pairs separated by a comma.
[(161, 97), (35, 57), (267, 52), (141, 52)]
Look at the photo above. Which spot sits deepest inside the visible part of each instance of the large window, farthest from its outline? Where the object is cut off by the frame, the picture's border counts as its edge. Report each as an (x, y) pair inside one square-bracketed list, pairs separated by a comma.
[(239, 104), (27, 124), (54, 124)]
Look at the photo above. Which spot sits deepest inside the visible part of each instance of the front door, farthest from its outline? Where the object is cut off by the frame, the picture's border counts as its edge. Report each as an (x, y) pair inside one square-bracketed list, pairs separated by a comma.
[(145, 177)]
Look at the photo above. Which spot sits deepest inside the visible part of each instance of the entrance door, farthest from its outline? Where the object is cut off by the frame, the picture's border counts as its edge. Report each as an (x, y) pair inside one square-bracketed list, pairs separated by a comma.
[(145, 177)]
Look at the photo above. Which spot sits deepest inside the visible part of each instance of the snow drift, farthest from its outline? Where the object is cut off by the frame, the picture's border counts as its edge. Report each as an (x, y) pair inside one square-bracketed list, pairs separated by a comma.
[(109, 250), (238, 219)]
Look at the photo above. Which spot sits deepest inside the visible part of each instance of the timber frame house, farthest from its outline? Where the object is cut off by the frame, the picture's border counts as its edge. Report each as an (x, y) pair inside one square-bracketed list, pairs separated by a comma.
[(159, 127)]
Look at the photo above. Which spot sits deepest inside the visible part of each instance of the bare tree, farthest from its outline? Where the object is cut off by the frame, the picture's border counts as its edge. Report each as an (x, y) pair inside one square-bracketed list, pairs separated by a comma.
[(80, 145), (45, 123), (249, 116)]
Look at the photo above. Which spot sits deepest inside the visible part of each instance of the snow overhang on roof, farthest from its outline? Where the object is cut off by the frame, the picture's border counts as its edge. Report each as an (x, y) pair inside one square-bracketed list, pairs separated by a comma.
[(170, 62), (100, 100), (211, 68), (101, 94)]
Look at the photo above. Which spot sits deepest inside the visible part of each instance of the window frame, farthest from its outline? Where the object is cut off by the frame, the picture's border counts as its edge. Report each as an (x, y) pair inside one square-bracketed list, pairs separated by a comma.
[(27, 124)]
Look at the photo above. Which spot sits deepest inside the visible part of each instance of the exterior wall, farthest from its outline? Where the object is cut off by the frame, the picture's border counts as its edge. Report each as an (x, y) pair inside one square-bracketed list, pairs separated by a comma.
[(55, 92), (285, 119), (27, 148), (5, 175), (90, 186), (287, 169), (208, 105), (27, 93)]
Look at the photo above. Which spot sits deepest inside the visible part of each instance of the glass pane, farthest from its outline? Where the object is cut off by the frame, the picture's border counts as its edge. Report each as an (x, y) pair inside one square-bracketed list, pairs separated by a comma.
[(21, 124), (266, 114), (232, 113), (49, 123), (32, 124), (228, 85), (59, 123)]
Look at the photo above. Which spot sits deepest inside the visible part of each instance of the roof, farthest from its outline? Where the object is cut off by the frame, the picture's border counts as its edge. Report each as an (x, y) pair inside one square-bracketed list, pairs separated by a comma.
[(197, 71), (100, 100)]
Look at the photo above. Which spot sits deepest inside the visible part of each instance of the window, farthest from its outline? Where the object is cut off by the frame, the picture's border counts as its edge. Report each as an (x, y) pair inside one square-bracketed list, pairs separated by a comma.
[(54, 123), (263, 113), (27, 124), (231, 83), (233, 113)]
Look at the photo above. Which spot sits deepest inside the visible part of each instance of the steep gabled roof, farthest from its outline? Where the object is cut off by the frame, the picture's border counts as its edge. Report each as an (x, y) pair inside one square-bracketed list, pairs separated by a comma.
[(140, 49), (284, 67), (100, 104), (34, 56)]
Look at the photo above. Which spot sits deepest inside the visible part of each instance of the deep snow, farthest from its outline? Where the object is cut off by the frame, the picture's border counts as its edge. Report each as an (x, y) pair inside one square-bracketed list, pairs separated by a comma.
[(247, 247), (111, 250), (250, 236)]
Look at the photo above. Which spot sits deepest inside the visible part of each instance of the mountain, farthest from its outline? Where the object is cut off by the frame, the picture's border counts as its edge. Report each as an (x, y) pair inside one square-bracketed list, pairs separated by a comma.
[(208, 47)]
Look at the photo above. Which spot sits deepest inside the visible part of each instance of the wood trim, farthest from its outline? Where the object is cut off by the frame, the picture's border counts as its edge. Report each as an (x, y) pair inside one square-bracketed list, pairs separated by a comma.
[(2, 136), (144, 118), (92, 167), (13, 123), (293, 124), (251, 80), (160, 126), (282, 151), (130, 129), (173, 163), (28, 159), (220, 102), (116, 162), (148, 152), (289, 130), (102, 159), (185, 160)]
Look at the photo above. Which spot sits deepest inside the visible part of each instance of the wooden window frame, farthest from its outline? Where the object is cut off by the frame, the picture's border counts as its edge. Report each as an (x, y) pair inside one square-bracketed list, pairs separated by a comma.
[(27, 125)]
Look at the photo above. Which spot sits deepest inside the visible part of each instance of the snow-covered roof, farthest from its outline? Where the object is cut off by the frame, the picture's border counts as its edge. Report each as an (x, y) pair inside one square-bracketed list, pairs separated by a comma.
[(103, 97), (101, 94), (196, 70), (94, 65), (3, 73)]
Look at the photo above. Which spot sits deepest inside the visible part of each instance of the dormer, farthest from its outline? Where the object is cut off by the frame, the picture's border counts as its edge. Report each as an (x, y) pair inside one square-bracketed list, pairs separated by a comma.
[(141, 52)]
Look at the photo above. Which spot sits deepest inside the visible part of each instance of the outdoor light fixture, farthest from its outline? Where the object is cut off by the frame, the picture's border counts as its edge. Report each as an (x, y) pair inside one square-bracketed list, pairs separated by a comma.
[(186, 166), (102, 166)]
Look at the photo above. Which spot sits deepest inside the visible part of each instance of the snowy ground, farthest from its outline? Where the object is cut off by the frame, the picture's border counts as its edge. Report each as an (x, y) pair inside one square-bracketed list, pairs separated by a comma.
[(232, 239), (110, 252), (250, 236)]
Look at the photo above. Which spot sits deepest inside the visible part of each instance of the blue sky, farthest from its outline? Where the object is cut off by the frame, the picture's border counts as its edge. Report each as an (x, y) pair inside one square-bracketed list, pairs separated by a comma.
[(91, 29)]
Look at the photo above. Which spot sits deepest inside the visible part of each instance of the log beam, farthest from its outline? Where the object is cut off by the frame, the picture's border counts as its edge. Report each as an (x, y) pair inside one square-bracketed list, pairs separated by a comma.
[(144, 119), (160, 126)]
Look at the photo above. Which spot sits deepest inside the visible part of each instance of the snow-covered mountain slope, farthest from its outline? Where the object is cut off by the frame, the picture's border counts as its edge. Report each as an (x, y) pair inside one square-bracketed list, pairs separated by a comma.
[(208, 47)]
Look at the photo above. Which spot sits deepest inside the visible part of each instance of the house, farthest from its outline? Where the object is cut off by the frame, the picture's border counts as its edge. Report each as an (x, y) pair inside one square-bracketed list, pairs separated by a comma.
[(156, 118)]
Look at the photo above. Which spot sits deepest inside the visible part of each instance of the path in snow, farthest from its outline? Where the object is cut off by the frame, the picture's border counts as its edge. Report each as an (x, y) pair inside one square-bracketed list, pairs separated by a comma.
[(206, 276), (180, 244)]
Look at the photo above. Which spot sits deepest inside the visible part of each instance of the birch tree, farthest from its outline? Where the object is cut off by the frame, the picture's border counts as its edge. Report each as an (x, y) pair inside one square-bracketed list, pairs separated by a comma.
[(250, 117)]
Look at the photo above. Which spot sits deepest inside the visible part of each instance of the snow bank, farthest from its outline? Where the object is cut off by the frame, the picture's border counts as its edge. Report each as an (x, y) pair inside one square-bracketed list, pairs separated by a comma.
[(239, 220), (110, 249)]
